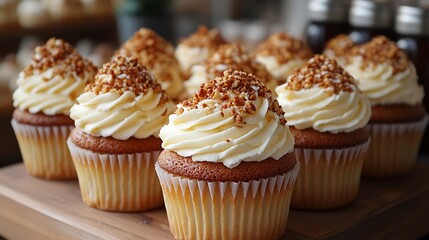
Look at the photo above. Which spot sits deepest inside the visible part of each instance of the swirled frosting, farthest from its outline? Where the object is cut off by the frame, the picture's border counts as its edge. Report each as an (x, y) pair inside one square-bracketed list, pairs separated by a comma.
[(230, 120), (324, 97), (338, 47), (385, 75), (157, 55), (280, 71), (124, 101), (53, 80)]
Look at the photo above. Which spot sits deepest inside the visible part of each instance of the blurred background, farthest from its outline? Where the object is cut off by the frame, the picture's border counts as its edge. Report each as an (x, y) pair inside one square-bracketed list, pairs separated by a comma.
[(97, 27)]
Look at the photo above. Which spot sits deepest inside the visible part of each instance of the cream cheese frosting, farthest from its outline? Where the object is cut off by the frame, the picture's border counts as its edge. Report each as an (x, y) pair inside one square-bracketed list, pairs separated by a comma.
[(280, 70), (338, 47), (124, 101), (322, 96), (53, 80), (385, 75), (230, 120)]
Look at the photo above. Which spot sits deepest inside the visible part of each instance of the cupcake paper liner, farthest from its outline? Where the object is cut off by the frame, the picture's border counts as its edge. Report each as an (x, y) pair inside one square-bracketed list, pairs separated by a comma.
[(256, 209), (117, 182), (44, 150), (329, 178), (394, 148)]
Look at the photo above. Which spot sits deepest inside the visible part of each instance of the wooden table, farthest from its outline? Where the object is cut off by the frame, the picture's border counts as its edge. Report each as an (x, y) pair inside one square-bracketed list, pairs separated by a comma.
[(31, 208)]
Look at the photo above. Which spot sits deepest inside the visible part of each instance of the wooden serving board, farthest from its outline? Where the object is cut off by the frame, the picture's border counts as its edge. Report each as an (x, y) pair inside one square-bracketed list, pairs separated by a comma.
[(32, 208)]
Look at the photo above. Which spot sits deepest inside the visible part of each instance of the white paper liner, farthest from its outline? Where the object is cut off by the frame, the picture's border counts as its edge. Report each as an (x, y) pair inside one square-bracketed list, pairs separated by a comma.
[(44, 150), (394, 148), (329, 178), (256, 209), (117, 182)]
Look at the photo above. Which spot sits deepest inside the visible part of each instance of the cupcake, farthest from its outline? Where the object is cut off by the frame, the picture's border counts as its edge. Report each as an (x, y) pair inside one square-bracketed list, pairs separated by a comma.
[(157, 55), (228, 56), (115, 143), (327, 115), (228, 168), (195, 49), (47, 89), (281, 54), (32, 14), (338, 47), (398, 118)]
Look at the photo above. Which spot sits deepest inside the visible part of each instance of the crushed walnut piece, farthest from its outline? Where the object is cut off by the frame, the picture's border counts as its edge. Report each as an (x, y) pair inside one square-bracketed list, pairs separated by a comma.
[(284, 48), (210, 39), (323, 72), (61, 55), (234, 56), (235, 90), (124, 74), (380, 50), (340, 45)]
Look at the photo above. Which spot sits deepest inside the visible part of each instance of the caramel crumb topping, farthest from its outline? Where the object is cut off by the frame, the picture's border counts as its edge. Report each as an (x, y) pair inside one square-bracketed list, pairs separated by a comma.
[(124, 74), (234, 90), (234, 56), (340, 45), (284, 48), (323, 72), (380, 50), (210, 39), (62, 55)]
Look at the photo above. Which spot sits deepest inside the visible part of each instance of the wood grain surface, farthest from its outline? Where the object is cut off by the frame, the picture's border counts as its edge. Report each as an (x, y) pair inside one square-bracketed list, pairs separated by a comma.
[(32, 208)]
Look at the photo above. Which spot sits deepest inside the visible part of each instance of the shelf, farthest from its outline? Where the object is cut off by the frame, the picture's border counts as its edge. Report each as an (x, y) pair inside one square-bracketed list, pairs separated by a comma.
[(32, 208)]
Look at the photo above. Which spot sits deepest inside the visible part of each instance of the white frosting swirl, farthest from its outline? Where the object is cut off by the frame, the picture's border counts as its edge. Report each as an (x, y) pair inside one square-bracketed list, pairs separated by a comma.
[(169, 77), (383, 86), (316, 108), (205, 135), (121, 116), (198, 77), (49, 93), (190, 56), (279, 71)]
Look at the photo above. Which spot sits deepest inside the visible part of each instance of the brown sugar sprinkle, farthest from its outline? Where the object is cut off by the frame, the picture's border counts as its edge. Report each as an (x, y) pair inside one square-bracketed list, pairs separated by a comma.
[(211, 39), (62, 55), (323, 72), (340, 45), (380, 50), (284, 48), (236, 90), (234, 56), (124, 74), (149, 48)]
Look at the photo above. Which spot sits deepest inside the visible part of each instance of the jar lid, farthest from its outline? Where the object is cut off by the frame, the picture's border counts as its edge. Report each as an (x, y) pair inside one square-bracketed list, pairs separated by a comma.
[(365, 13), (412, 20), (328, 10)]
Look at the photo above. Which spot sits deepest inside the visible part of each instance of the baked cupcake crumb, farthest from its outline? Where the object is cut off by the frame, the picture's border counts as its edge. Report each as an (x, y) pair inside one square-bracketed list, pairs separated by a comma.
[(210, 39), (58, 52), (234, 90), (323, 72), (380, 50), (340, 45), (124, 74), (284, 48)]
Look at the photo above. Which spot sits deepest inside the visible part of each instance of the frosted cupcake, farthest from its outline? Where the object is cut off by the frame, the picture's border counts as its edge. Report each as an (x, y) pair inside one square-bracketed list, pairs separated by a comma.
[(195, 49), (228, 169), (47, 89), (398, 118), (338, 47), (157, 55), (327, 115), (115, 143), (281, 54), (228, 56)]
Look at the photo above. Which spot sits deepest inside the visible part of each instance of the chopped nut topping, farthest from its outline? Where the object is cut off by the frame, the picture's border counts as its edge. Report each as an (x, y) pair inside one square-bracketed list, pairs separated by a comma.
[(323, 72), (235, 90), (210, 39), (124, 74), (234, 56), (57, 52), (380, 50), (284, 48), (340, 45)]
